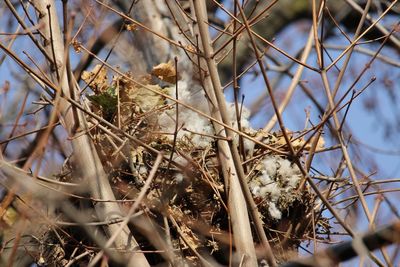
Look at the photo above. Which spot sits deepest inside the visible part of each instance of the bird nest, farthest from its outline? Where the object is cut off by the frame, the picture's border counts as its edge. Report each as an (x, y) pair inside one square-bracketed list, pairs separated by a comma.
[(188, 193)]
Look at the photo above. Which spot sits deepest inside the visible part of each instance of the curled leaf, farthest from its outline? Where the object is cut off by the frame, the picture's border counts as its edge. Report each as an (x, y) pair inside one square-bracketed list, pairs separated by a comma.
[(96, 79), (165, 72)]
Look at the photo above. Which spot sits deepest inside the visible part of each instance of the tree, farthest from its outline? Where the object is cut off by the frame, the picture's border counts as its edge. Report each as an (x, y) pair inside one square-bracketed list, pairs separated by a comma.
[(124, 106)]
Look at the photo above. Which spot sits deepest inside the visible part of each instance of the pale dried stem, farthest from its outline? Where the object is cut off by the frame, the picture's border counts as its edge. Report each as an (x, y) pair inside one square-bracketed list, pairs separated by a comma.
[(293, 83), (333, 255), (239, 192), (129, 214), (308, 178), (262, 39), (331, 97), (366, 51), (355, 41), (86, 158), (378, 25)]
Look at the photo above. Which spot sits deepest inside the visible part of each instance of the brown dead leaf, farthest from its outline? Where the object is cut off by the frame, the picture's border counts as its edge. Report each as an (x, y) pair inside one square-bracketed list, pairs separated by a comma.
[(320, 144), (96, 79), (297, 142), (77, 46), (281, 141), (191, 48), (131, 27), (165, 72)]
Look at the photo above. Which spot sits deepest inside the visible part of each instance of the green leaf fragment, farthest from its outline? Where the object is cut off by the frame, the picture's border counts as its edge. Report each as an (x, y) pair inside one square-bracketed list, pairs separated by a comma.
[(107, 101)]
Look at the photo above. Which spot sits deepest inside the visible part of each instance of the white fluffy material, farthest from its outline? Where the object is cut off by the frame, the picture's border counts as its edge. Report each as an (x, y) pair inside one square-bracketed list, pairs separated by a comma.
[(274, 211), (244, 116), (194, 122), (244, 123), (278, 178), (179, 177), (187, 118)]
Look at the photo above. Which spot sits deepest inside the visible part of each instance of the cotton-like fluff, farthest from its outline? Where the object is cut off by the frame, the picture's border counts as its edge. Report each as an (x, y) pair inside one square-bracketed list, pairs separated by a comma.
[(244, 123), (244, 115), (276, 183), (198, 127), (195, 123)]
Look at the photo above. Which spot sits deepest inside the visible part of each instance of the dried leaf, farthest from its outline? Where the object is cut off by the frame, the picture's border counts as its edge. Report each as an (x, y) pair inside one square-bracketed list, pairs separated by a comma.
[(165, 72), (191, 48), (265, 137), (77, 46), (297, 142), (320, 144), (96, 79), (131, 27)]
